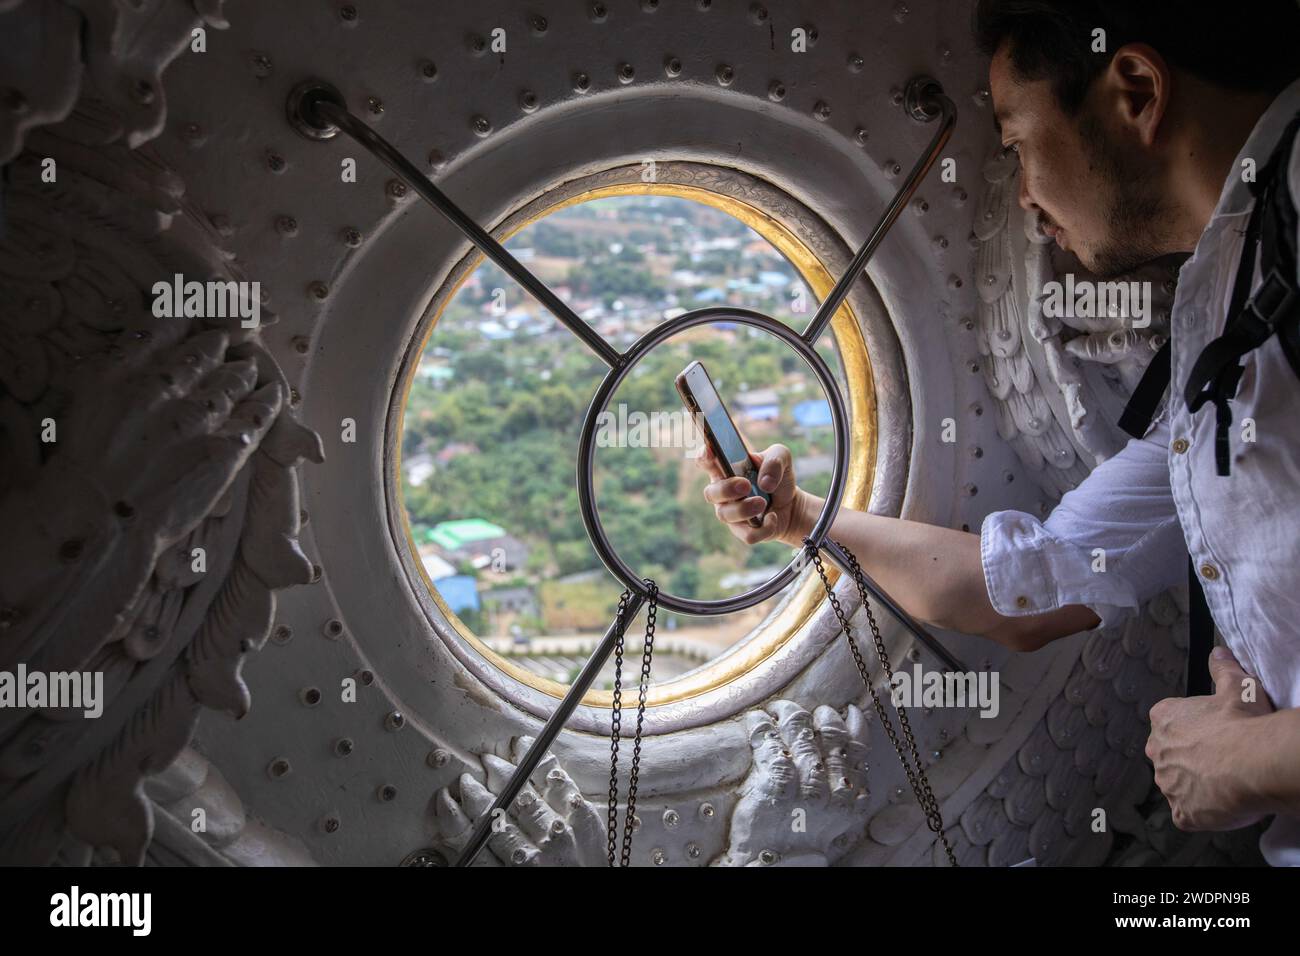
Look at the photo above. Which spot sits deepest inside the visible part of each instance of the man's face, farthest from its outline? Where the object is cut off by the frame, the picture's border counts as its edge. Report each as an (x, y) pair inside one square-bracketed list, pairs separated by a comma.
[(1091, 191)]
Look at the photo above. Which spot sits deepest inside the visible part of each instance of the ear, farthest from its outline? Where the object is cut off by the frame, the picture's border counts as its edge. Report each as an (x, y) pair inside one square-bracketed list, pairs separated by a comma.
[(1138, 80)]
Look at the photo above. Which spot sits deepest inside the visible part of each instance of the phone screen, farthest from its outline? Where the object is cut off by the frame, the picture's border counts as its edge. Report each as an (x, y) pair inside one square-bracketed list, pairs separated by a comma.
[(724, 430)]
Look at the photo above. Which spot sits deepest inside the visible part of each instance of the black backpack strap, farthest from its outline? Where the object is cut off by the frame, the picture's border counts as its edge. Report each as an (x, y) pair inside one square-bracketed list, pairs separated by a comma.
[(1253, 319), (1141, 407), (1200, 636)]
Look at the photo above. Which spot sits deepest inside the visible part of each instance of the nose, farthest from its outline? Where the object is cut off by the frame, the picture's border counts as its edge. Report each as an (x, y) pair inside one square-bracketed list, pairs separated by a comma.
[(1022, 195)]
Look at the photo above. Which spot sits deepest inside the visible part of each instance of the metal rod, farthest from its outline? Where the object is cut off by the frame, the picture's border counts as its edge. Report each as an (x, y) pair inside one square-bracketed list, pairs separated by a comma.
[(339, 116), (931, 101), (548, 733), (920, 633)]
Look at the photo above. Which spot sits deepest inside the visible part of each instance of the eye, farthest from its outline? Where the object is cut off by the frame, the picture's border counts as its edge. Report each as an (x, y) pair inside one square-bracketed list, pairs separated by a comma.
[(1008, 148)]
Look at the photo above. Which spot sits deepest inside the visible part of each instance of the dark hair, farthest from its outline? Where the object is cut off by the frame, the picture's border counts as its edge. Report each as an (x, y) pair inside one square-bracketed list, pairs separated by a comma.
[(1249, 45)]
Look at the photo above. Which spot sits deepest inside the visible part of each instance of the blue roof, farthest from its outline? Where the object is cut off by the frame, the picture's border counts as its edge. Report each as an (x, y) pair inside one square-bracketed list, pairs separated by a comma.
[(459, 591), (812, 413)]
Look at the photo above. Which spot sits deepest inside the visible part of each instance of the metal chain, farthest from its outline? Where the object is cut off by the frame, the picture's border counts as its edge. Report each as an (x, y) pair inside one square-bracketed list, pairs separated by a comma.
[(611, 823), (616, 717), (916, 777), (652, 603)]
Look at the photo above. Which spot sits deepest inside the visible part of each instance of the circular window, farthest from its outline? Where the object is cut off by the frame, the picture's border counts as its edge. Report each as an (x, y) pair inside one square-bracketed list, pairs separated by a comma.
[(495, 392)]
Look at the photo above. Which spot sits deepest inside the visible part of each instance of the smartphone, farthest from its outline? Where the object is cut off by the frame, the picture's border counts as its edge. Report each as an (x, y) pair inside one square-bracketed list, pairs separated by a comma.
[(710, 415)]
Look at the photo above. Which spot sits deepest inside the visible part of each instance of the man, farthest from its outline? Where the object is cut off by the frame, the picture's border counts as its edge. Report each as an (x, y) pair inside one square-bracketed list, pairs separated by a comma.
[(1136, 142)]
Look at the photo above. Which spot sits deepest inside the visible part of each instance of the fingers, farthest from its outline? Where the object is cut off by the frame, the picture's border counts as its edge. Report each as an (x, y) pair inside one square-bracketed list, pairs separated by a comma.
[(773, 775), (726, 490), (736, 512), (796, 727), (774, 464), (709, 462)]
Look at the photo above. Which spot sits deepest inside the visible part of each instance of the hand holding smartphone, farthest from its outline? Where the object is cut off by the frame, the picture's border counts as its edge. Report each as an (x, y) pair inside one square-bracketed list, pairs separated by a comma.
[(710, 415)]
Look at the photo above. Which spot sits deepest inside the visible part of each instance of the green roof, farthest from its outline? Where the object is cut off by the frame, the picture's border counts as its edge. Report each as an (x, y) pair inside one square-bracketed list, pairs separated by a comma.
[(454, 535)]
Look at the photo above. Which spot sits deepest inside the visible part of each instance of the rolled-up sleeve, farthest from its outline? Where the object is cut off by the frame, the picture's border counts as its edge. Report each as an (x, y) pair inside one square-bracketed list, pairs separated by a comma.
[(1112, 543)]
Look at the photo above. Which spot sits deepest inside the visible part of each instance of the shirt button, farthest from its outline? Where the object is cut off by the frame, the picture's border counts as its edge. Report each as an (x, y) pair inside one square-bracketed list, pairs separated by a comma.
[(1209, 572), (1022, 601), (1179, 446)]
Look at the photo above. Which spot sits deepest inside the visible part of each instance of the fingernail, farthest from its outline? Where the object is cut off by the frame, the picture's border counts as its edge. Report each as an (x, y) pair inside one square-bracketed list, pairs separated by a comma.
[(767, 482), (1220, 653)]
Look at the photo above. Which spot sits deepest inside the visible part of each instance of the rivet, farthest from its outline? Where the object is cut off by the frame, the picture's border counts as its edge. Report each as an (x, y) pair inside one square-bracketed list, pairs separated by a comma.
[(693, 851), (438, 758), (477, 45), (776, 91), (892, 168), (318, 290), (725, 73), (261, 65), (822, 110), (278, 768), (900, 12), (673, 66), (860, 135), (331, 824), (973, 367), (811, 32), (310, 696), (396, 189), (348, 13), (282, 634), (192, 134), (375, 105), (366, 677), (658, 857), (436, 159), (301, 344), (303, 516), (581, 82), (481, 125), (275, 162), (333, 628), (395, 721), (528, 101), (626, 73), (920, 206), (286, 226), (597, 12), (538, 23), (428, 70), (704, 4), (387, 793), (671, 818), (351, 237), (856, 63), (758, 13), (519, 856), (344, 746), (959, 196), (767, 857), (707, 811), (649, 6), (70, 550), (941, 242), (1008, 476)]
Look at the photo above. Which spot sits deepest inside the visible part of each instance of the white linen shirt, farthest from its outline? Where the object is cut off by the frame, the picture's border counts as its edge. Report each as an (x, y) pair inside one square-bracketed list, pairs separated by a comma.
[(1160, 497)]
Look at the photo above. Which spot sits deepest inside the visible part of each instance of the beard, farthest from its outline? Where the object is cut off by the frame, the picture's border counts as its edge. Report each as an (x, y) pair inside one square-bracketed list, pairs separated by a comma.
[(1132, 208)]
